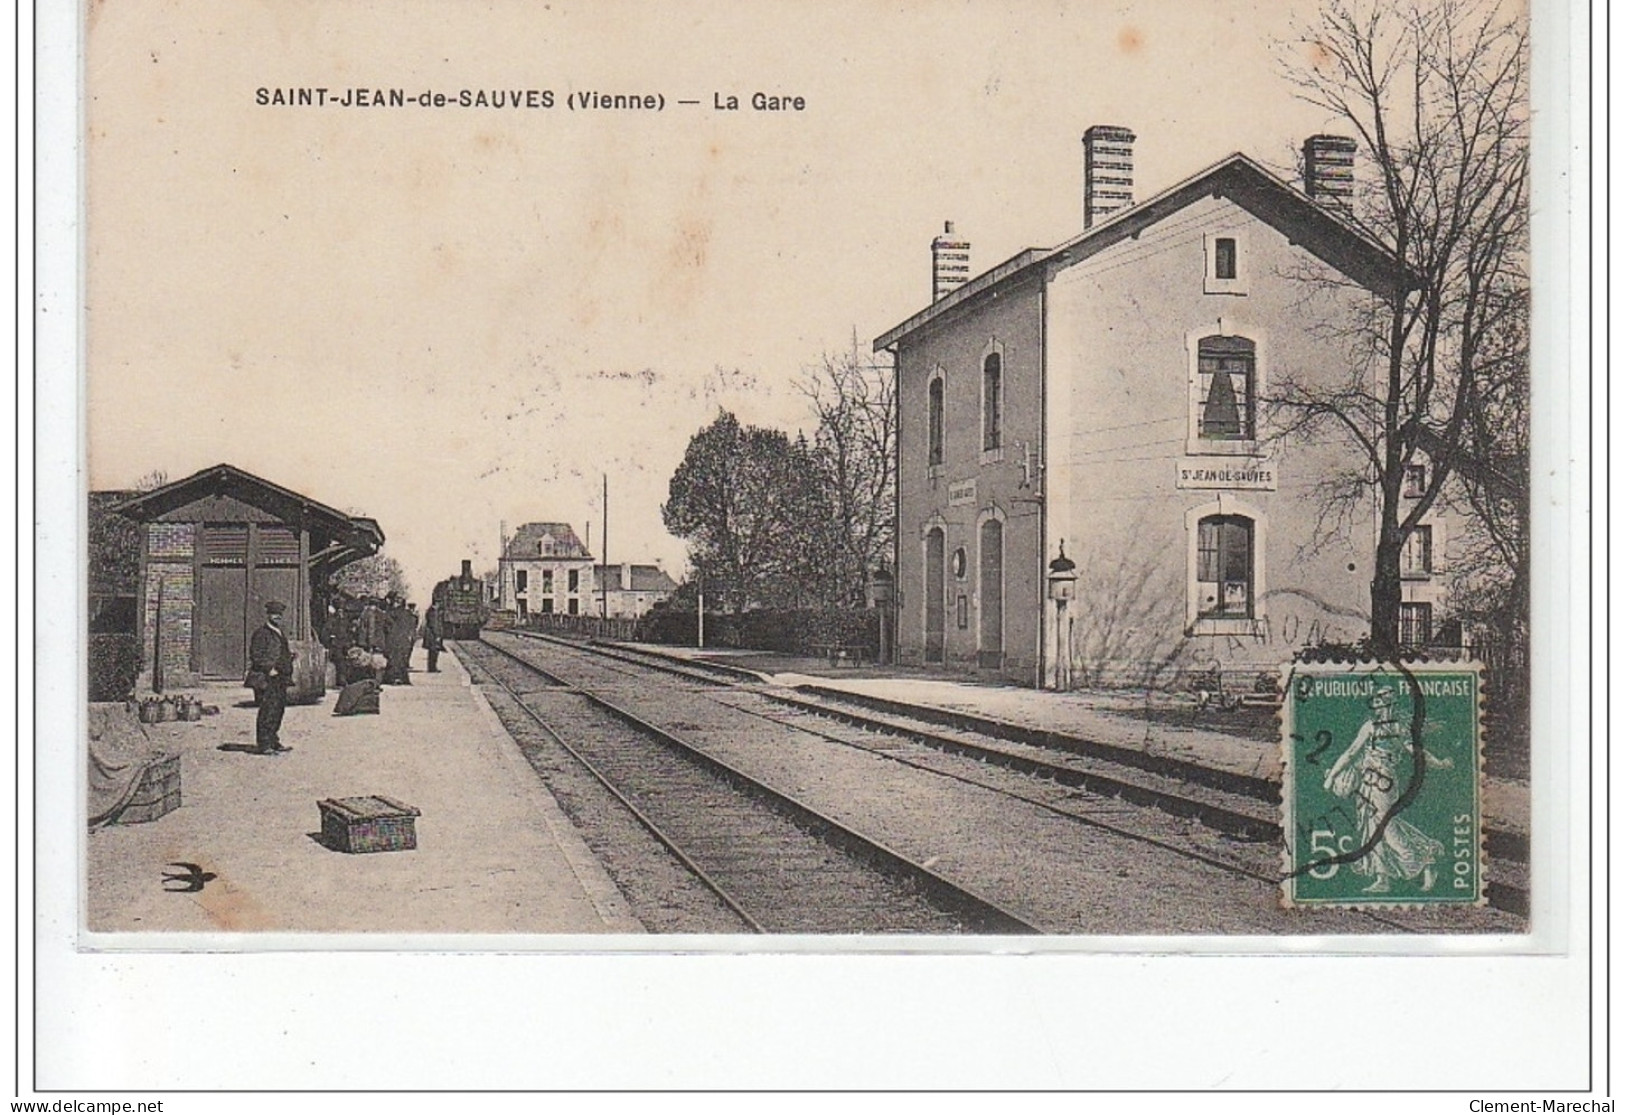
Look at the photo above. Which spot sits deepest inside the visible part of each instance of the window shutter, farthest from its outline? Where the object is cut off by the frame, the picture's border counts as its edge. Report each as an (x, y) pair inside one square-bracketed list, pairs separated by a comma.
[(225, 545), (278, 546)]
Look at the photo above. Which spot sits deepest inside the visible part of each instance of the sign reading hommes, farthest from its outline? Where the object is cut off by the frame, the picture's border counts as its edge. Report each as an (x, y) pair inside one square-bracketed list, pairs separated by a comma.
[(1243, 474)]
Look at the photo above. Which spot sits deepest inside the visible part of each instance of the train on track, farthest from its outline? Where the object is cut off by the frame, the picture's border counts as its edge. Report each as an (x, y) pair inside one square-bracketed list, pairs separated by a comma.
[(462, 604)]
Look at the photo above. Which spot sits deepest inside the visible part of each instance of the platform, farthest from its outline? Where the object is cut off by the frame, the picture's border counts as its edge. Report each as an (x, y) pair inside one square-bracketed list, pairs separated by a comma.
[(495, 854), (1243, 743)]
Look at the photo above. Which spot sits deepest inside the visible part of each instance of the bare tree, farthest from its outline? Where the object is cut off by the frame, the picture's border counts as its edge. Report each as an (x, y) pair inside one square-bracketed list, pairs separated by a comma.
[(1136, 601), (1436, 94), (856, 406)]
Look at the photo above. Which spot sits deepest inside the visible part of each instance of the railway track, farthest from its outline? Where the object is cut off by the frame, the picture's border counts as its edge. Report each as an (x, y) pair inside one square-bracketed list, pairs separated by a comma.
[(779, 864), (1238, 807)]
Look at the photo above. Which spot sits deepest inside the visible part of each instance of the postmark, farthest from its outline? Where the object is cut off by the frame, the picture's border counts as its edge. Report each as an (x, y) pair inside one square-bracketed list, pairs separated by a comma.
[(1382, 788)]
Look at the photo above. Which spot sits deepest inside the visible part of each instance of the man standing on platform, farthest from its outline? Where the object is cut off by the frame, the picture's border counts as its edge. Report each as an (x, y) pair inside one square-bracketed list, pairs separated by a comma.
[(434, 637), (400, 632), (270, 673)]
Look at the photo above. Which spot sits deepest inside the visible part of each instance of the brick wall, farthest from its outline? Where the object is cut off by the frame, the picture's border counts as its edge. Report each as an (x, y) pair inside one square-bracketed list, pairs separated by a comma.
[(170, 577)]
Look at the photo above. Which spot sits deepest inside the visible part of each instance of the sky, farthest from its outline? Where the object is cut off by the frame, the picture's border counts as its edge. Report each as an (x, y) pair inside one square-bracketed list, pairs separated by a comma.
[(449, 319)]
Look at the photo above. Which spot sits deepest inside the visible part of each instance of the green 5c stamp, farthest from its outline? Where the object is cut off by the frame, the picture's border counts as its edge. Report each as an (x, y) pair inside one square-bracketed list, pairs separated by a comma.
[(1381, 788)]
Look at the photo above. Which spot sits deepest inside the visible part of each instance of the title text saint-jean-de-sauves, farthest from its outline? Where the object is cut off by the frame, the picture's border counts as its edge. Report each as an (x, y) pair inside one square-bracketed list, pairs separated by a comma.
[(321, 96)]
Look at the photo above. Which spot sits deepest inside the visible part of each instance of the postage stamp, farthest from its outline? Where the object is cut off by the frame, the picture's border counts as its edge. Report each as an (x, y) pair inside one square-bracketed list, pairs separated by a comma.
[(1381, 794)]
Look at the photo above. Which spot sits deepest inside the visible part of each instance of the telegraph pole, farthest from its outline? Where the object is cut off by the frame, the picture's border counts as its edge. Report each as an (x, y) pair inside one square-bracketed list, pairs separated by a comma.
[(603, 591)]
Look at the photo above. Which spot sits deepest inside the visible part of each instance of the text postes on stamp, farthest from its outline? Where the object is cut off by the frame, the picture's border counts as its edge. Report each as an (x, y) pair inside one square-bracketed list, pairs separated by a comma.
[(1381, 794)]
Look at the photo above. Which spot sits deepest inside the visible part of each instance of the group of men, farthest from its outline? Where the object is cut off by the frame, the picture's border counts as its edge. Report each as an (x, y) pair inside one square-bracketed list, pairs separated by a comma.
[(373, 643), (374, 638)]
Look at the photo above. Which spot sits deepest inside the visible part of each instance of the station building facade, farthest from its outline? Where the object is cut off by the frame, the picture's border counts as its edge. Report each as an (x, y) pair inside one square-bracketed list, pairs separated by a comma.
[(1102, 398)]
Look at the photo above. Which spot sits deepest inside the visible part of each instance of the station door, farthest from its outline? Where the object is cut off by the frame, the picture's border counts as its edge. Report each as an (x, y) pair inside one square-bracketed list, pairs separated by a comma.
[(935, 603)]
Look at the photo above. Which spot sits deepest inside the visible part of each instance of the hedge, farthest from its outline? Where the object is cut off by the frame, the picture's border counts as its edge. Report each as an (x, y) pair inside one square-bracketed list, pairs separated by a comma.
[(787, 631), (114, 662)]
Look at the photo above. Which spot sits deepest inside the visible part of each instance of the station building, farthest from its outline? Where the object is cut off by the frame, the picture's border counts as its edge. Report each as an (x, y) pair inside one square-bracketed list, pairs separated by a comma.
[(545, 569), (1101, 397), (214, 548)]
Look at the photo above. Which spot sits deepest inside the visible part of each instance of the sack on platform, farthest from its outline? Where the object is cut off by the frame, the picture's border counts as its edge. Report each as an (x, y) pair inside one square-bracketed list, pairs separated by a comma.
[(359, 698)]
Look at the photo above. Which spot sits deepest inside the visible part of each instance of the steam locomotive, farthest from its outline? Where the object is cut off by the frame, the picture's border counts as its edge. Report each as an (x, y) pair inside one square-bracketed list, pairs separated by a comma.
[(461, 602)]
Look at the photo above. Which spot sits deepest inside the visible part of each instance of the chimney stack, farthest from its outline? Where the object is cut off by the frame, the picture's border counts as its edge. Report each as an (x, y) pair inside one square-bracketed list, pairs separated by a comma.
[(1108, 172), (1328, 171), (950, 262)]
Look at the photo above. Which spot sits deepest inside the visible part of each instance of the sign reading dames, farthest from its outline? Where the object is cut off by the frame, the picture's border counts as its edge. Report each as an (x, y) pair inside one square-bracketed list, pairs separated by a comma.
[(1381, 800)]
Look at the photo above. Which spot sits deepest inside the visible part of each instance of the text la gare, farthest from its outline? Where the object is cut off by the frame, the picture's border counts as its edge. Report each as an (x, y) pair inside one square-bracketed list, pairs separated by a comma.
[(761, 102)]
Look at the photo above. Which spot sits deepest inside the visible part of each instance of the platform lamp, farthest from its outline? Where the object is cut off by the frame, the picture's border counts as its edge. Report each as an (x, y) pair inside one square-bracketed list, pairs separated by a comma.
[(881, 595), (1063, 583)]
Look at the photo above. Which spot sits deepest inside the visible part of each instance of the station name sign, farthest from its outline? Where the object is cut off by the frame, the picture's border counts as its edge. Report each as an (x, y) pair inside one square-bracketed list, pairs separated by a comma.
[(961, 493), (1247, 474)]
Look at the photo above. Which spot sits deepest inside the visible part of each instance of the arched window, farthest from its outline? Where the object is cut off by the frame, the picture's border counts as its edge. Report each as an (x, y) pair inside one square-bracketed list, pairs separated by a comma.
[(992, 397), (934, 422), (1226, 381), (1224, 567)]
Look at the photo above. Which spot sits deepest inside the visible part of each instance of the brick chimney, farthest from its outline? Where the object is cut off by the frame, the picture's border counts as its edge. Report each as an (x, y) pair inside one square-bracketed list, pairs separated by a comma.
[(950, 262), (1328, 171), (1108, 172)]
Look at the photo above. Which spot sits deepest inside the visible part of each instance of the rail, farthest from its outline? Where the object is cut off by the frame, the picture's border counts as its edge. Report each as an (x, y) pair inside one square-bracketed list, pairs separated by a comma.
[(982, 914)]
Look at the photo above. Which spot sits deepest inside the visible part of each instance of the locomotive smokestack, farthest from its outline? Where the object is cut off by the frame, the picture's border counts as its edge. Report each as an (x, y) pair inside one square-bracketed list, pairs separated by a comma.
[(468, 569)]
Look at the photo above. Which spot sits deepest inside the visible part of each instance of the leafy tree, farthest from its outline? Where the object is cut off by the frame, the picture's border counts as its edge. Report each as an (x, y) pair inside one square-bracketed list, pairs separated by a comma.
[(113, 542), (752, 505), (1437, 95), (378, 575)]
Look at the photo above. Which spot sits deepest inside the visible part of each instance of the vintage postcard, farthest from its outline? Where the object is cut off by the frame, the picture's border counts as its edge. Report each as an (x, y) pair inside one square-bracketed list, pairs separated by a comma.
[(876, 474), (947, 499)]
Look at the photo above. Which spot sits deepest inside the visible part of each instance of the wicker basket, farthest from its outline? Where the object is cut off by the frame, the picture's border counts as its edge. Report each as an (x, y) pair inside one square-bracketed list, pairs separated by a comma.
[(158, 793), (368, 824)]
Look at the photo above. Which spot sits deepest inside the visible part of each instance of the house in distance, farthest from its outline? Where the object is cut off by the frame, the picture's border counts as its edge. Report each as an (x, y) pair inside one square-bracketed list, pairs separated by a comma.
[(628, 590), (545, 569)]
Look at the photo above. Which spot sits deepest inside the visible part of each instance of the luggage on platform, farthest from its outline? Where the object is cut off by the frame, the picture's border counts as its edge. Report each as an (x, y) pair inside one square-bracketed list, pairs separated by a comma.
[(359, 698)]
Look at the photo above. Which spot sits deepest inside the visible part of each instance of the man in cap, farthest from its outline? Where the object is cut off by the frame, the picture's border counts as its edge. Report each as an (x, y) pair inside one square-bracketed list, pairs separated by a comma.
[(400, 632), (434, 637), (270, 673)]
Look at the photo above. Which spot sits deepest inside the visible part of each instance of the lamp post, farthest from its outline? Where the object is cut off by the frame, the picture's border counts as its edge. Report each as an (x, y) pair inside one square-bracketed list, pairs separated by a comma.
[(700, 614), (1063, 580), (881, 585)]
